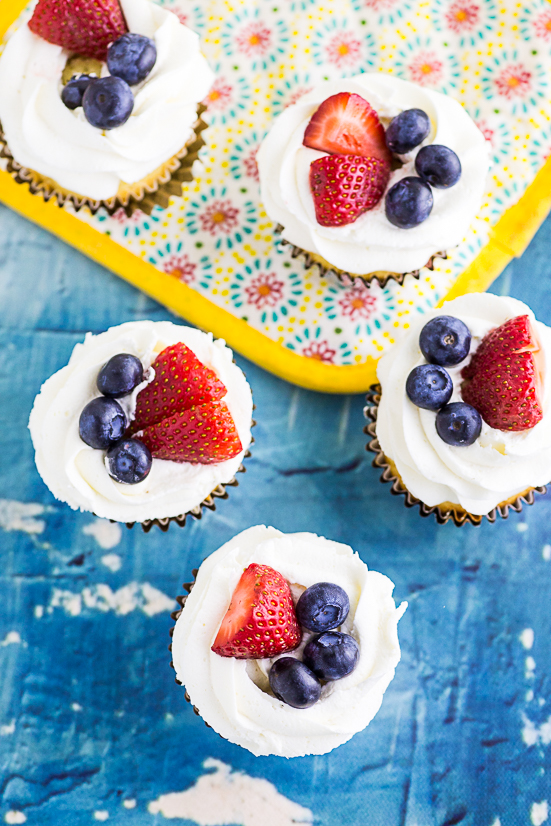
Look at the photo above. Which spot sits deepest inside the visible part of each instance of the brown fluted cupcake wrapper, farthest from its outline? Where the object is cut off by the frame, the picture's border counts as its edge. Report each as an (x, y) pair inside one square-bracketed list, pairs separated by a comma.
[(325, 269), (154, 190), (446, 511)]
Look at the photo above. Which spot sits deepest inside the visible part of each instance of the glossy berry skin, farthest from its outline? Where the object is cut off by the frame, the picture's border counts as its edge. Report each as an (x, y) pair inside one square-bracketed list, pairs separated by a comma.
[(429, 386), (438, 166), (322, 606), (108, 102), (408, 203), (458, 424), (294, 683), (445, 340), (407, 130), (120, 375), (332, 655), (73, 91), (132, 57), (129, 461), (102, 423)]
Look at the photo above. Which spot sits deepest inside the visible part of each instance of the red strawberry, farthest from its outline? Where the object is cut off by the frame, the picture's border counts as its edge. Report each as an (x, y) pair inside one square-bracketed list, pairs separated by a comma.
[(345, 186), (83, 26), (503, 378), (261, 619), (203, 434), (181, 381), (345, 124)]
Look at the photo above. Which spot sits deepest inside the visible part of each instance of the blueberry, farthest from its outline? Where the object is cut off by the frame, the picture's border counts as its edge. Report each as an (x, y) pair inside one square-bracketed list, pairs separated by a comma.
[(332, 655), (120, 375), (408, 203), (129, 461), (438, 166), (458, 424), (108, 102), (445, 340), (429, 386), (294, 683), (407, 130), (131, 57), (73, 91), (102, 423), (323, 606)]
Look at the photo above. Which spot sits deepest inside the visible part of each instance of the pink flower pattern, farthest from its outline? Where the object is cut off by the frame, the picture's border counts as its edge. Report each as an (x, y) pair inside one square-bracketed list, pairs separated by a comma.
[(265, 290), (379, 5), (219, 217), (181, 268), (321, 351), (297, 94), (486, 131), (121, 217), (542, 25), (358, 302), (513, 81), (253, 39), (343, 50), (462, 16), (219, 96), (426, 69), (250, 165)]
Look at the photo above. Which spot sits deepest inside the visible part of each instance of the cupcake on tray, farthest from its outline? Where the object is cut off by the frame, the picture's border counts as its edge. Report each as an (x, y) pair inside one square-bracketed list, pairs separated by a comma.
[(286, 642), (99, 103), (372, 176), (461, 420), (148, 422)]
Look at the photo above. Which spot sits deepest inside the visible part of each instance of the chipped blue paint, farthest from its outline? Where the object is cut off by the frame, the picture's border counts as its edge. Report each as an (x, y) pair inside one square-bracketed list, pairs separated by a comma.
[(92, 724)]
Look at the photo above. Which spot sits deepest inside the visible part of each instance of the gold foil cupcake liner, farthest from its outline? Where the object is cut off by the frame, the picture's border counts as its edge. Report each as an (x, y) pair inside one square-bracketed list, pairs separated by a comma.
[(445, 511), (155, 189), (325, 269)]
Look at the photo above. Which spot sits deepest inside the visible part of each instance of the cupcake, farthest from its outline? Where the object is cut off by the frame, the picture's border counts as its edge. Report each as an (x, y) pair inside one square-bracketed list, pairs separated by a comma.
[(286, 643), (99, 104), (461, 421), (147, 423), (372, 176)]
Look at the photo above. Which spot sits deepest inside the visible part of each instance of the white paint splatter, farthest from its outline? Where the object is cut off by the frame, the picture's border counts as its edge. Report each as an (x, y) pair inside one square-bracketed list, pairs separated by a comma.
[(527, 638), (8, 729), (107, 534), (169, 717), (15, 817), (76, 706), (539, 813), (112, 561), (20, 516), (12, 638), (497, 822), (129, 804), (39, 611), (226, 796), (529, 696), (102, 814), (522, 527), (530, 666), (546, 552), (532, 734), (131, 597)]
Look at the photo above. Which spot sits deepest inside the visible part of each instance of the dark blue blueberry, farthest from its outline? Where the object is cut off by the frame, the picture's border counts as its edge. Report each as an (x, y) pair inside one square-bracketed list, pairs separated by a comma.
[(102, 423), (120, 375), (108, 102), (407, 130), (429, 386), (438, 166), (131, 57), (458, 424), (445, 340), (73, 91), (408, 203), (129, 461), (323, 606), (332, 655), (293, 683)]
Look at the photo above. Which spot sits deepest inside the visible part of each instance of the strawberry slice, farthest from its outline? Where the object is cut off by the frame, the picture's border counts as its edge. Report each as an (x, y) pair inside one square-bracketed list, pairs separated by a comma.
[(345, 186), (86, 27), (345, 124), (203, 434), (503, 380), (261, 619), (181, 381)]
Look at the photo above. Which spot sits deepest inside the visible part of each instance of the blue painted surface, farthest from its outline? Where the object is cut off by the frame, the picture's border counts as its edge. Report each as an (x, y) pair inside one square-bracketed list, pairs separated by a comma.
[(90, 715)]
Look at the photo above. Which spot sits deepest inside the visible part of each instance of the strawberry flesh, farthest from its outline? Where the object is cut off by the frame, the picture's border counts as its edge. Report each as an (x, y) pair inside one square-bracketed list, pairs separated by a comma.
[(503, 378), (203, 434), (86, 27), (345, 124), (261, 620), (345, 186), (181, 381)]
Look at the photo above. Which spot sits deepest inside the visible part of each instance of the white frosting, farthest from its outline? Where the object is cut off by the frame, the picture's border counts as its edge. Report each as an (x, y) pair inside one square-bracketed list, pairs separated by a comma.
[(228, 691), (44, 135), (372, 243), (499, 464), (76, 473)]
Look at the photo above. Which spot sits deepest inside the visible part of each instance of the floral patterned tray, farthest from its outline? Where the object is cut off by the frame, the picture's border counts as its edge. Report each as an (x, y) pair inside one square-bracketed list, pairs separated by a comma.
[(213, 255)]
